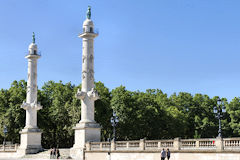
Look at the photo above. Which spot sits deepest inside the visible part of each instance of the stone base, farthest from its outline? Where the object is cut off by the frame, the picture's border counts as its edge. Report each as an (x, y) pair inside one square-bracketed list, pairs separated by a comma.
[(84, 132), (30, 141), (77, 153)]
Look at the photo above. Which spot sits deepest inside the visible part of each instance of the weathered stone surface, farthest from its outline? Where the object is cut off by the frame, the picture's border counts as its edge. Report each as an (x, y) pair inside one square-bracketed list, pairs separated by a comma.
[(87, 129), (31, 135)]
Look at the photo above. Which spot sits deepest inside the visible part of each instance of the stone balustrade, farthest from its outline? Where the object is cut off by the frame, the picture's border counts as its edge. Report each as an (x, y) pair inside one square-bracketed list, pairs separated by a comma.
[(9, 147), (231, 143), (177, 144)]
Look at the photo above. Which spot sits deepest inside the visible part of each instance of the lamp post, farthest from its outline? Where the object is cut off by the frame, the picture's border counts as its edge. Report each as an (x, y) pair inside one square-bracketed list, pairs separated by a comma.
[(114, 121), (5, 132), (219, 110)]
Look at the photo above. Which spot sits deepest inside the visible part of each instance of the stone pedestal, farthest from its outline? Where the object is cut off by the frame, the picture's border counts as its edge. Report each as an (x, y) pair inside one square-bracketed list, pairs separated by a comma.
[(30, 141), (84, 132), (219, 144)]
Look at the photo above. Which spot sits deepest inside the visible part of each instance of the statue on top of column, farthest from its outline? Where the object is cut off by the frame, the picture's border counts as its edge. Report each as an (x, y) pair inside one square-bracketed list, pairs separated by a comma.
[(33, 38), (89, 12)]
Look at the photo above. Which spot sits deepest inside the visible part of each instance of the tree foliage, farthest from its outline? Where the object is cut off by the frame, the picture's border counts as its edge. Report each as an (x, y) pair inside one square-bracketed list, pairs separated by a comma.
[(151, 114)]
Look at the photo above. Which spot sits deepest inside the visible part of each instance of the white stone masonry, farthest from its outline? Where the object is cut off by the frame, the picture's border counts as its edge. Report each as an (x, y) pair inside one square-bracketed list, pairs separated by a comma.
[(88, 94), (31, 135), (87, 129), (31, 106)]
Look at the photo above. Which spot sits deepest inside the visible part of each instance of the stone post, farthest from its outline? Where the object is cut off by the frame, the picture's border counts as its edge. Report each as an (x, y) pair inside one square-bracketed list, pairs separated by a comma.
[(142, 144), (197, 143), (159, 145), (88, 146), (113, 145), (31, 134), (16, 146), (177, 144), (219, 144)]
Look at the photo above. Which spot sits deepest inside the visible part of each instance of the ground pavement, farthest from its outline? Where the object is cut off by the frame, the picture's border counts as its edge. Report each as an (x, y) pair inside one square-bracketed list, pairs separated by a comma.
[(65, 154)]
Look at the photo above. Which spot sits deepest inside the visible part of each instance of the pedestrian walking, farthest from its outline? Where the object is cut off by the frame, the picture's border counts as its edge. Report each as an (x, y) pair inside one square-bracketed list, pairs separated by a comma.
[(51, 153), (58, 153), (168, 154), (163, 154), (54, 152)]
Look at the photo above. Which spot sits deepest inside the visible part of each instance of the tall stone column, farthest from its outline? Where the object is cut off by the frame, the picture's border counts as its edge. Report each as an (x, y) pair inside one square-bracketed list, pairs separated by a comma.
[(87, 129), (31, 134)]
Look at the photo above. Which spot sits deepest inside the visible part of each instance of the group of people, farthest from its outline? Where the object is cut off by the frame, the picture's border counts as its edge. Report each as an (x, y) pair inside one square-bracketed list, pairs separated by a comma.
[(165, 154), (54, 153)]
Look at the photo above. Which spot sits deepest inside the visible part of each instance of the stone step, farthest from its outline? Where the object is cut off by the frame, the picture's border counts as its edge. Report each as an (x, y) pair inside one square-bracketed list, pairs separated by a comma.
[(64, 154)]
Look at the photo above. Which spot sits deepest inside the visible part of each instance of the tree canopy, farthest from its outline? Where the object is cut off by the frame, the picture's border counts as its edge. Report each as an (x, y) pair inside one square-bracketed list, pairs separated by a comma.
[(151, 114)]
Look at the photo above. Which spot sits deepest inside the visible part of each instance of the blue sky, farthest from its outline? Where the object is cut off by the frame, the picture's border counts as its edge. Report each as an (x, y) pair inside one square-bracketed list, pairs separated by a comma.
[(174, 45)]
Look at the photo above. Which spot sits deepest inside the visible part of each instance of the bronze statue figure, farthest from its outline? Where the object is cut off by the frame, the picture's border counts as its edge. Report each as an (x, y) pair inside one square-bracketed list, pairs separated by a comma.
[(89, 12)]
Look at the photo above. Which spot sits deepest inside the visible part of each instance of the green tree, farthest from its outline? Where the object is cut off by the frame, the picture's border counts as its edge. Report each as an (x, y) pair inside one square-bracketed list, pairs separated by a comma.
[(233, 108), (150, 114), (103, 110), (138, 110), (55, 120), (14, 116), (204, 119), (182, 108)]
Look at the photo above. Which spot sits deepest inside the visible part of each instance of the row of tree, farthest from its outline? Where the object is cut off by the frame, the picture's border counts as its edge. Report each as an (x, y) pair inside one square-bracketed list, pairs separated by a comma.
[(150, 114)]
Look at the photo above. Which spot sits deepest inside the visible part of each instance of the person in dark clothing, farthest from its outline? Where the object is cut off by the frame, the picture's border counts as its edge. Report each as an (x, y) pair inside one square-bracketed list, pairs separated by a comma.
[(54, 152), (58, 153), (168, 154), (51, 153), (163, 154)]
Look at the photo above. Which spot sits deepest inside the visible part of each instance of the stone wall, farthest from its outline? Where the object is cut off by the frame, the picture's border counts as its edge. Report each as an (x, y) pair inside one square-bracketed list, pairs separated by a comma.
[(9, 147), (156, 156), (181, 149), (177, 144)]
